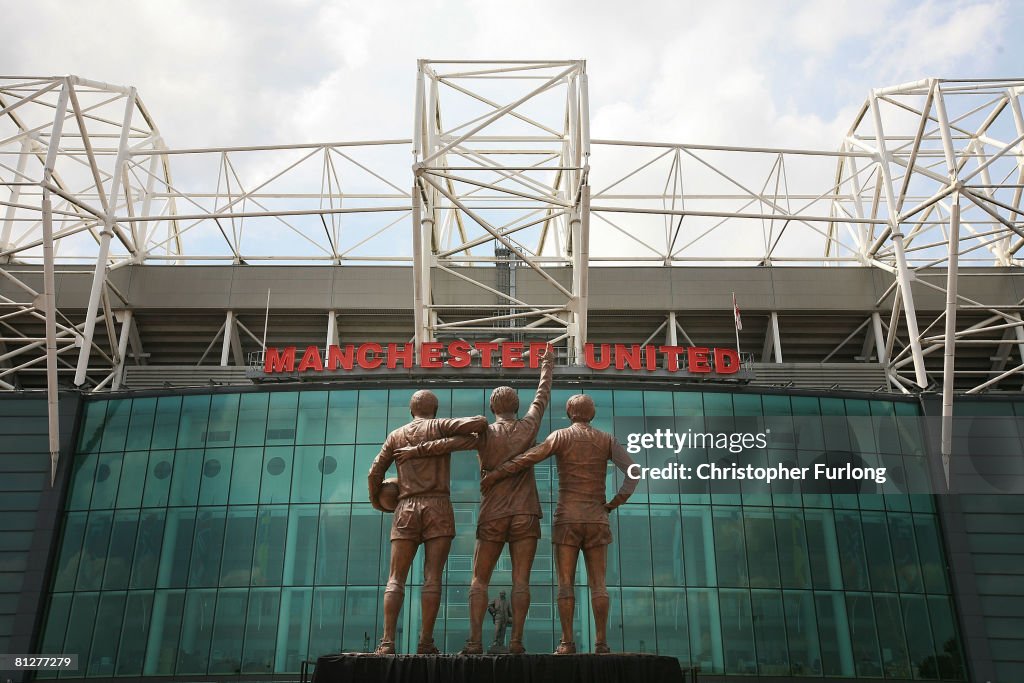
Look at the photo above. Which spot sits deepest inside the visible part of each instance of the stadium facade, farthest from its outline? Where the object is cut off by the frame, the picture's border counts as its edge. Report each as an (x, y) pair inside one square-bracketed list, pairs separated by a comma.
[(208, 516)]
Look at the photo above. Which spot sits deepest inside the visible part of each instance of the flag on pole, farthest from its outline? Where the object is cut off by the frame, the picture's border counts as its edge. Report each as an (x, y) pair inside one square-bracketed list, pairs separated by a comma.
[(736, 313)]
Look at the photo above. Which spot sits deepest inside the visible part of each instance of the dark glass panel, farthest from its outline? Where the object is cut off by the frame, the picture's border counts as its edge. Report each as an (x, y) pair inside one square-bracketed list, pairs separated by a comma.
[(239, 535), (933, 566), (94, 551), (300, 551), (364, 545), (138, 614), (864, 635), (363, 459), (949, 662), (206, 549), (108, 476), (261, 630), (761, 548), (730, 552), (705, 629), (698, 546), (228, 627), (133, 479), (904, 551), (162, 648), (78, 639), (82, 478), (634, 543), (196, 632), (802, 633), (770, 633), (148, 543), (895, 659), (834, 631), (362, 605), (188, 471), (920, 645), (670, 615), (293, 631), (269, 548), (115, 431), (56, 623), (327, 613), (91, 431), (70, 556), (823, 549), (737, 632), (666, 545), (337, 474), (140, 426), (122, 547), (851, 551), (158, 479), (177, 548), (876, 543)]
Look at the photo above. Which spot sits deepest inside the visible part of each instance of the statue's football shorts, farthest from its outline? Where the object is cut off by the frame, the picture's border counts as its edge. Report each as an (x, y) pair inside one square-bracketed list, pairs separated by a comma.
[(421, 518), (581, 534), (509, 529)]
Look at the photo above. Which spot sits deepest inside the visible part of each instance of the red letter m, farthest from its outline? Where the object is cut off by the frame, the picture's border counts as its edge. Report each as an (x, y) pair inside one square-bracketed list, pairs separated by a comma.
[(279, 362)]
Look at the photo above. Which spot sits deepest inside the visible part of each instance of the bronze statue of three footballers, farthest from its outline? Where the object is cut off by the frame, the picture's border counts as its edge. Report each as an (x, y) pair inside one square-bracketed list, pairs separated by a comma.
[(509, 508)]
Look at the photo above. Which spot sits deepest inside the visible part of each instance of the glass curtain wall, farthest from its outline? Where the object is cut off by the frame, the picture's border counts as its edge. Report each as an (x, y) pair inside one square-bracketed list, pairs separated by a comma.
[(231, 533)]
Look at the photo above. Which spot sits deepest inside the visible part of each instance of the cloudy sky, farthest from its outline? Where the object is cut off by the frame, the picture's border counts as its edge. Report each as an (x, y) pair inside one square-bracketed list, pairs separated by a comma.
[(262, 72)]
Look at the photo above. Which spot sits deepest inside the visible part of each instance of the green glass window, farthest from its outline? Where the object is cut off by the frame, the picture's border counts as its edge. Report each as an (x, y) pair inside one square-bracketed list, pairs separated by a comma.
[(312, 418), (737, 632), (261, 630), (229, 533), (705, 628), (282, 418), (196, 632), (730, 551), (770, 633), (228, 623), (239, 539), (802, 632), (140, 426), (634, 543), (165, 425), (220, 431), (162, 646), (206, 548), (134, 633), (195, 414), (373, 416), (252, 420)]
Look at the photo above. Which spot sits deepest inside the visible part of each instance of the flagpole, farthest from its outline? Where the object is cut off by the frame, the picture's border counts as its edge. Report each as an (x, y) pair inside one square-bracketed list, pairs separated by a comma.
[(735, 327)]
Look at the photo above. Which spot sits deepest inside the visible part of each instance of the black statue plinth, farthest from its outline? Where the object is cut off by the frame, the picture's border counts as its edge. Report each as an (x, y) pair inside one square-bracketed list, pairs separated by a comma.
[(528, 668)]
